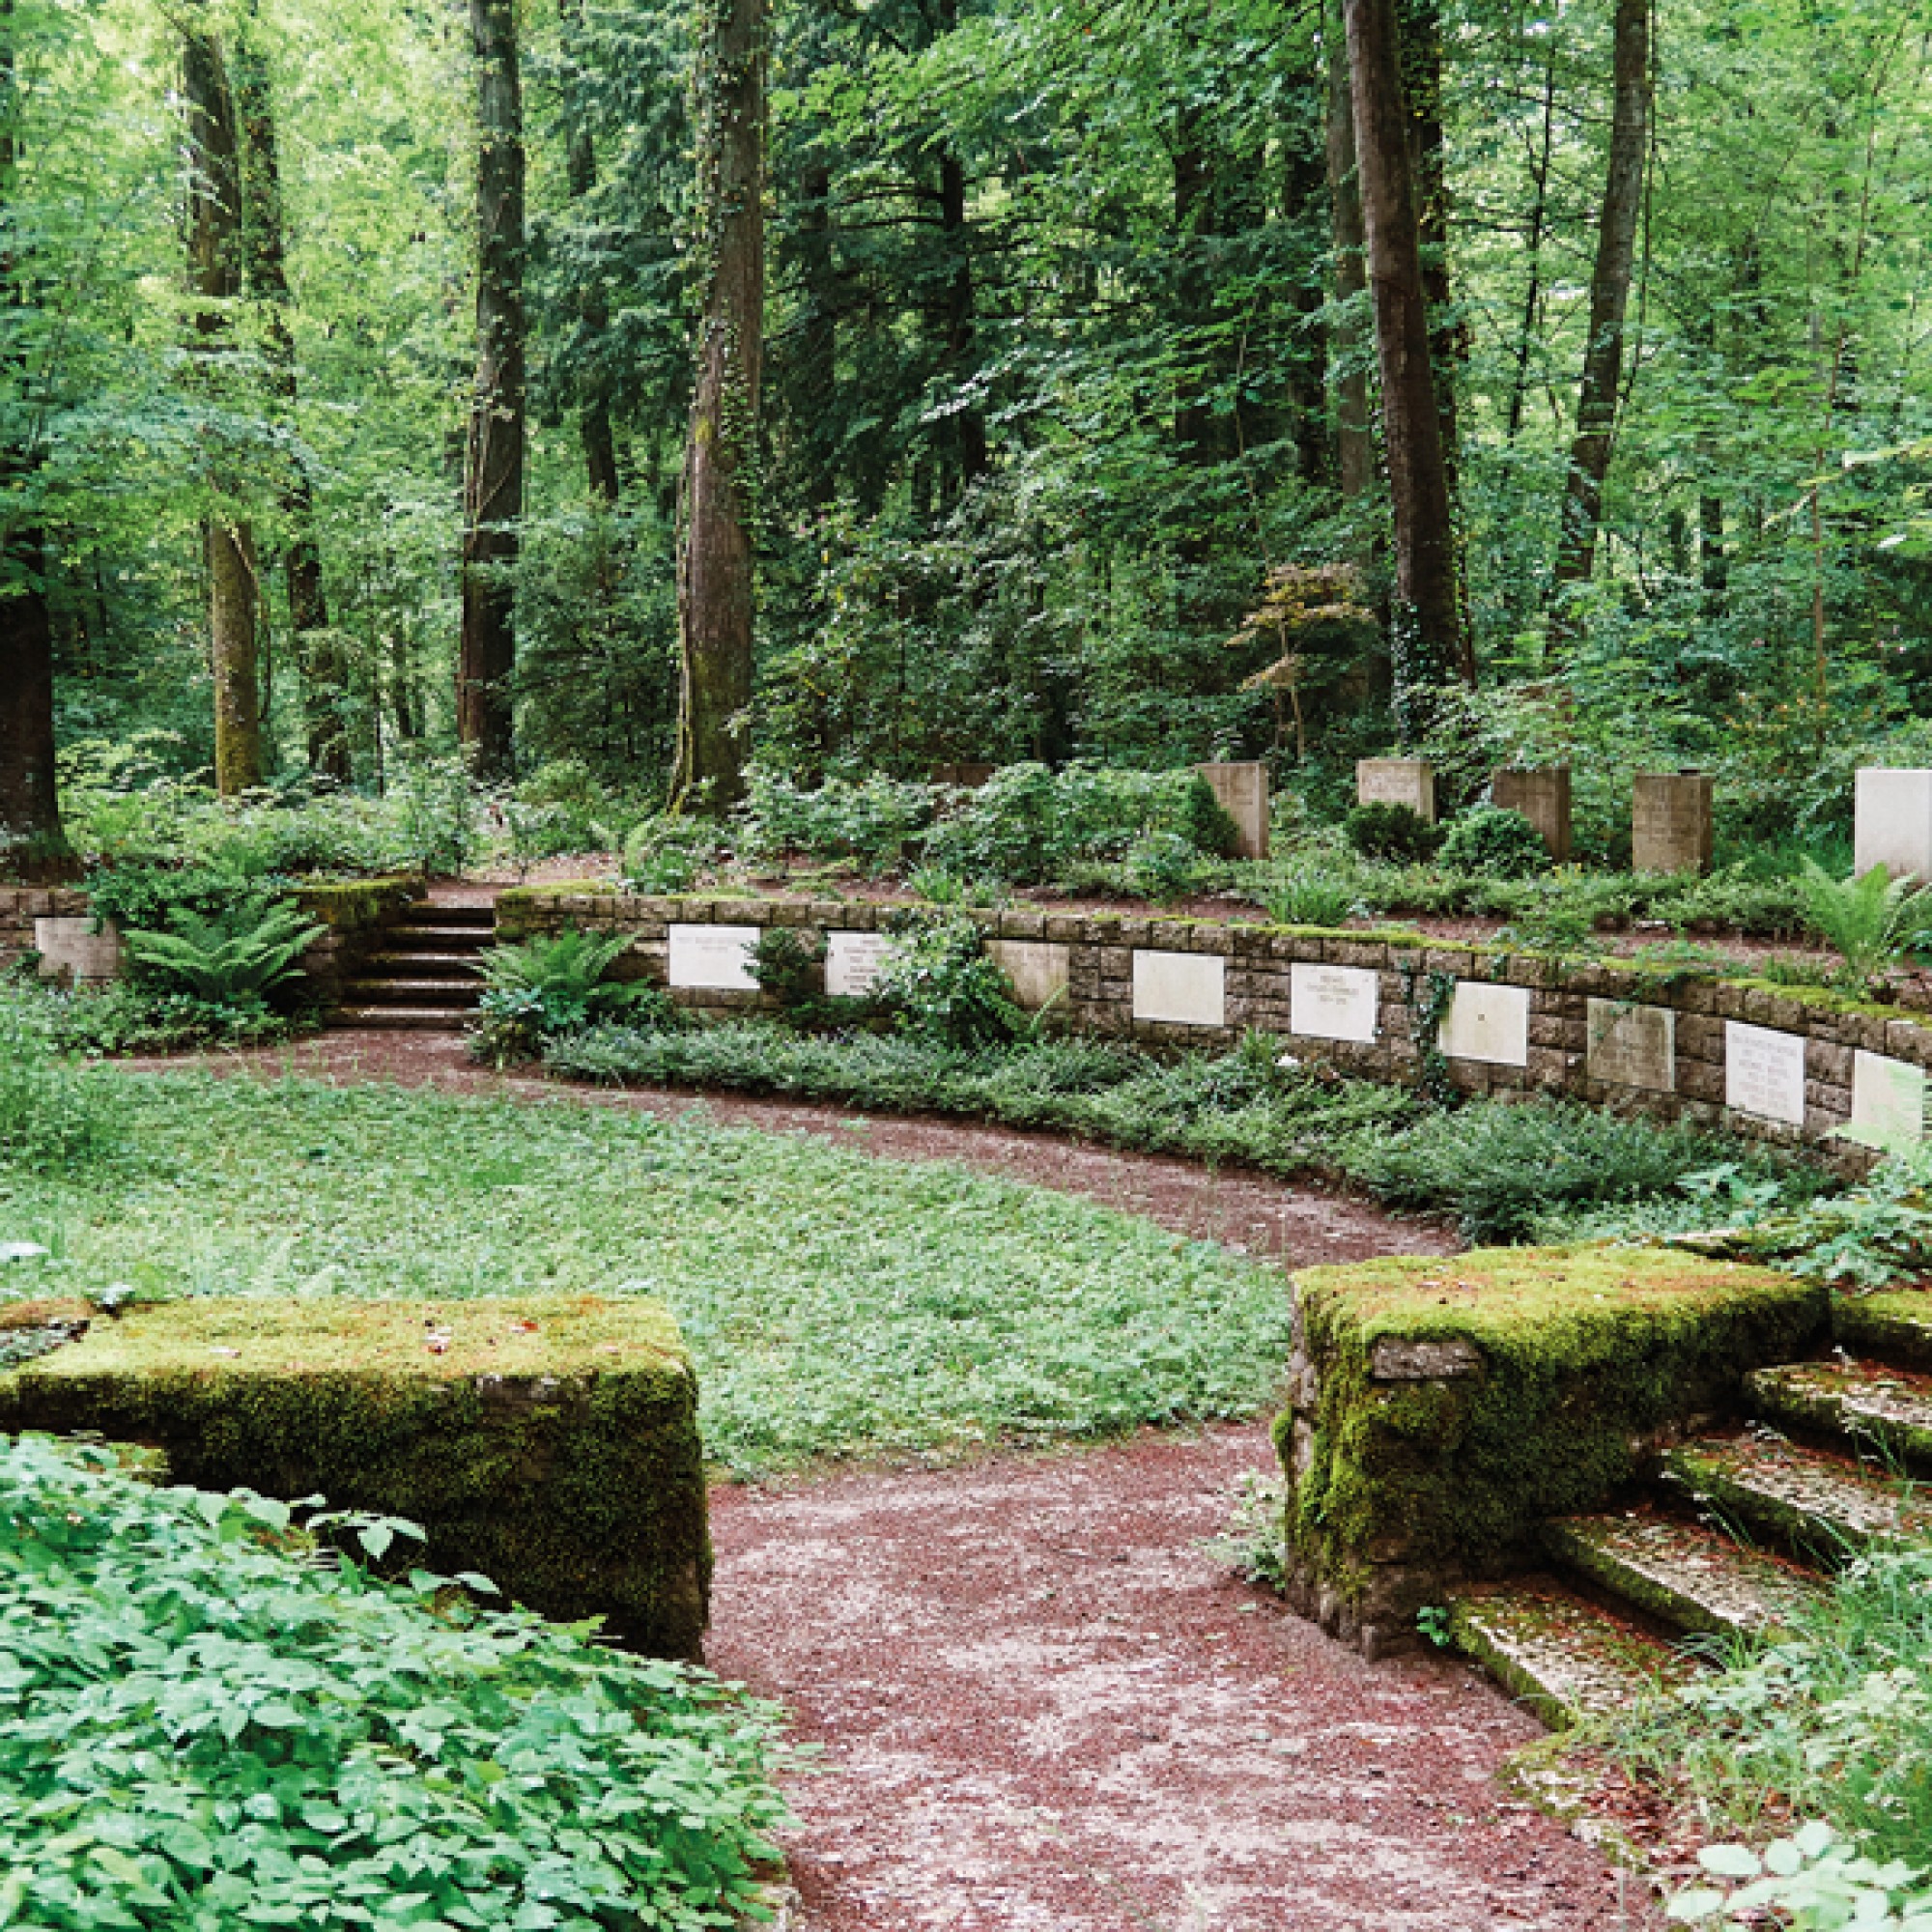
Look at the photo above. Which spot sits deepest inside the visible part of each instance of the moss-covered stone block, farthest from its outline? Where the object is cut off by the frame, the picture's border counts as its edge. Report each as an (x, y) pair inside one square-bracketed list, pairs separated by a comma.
[(550, 1443), (1442, 1410), (347, 905)]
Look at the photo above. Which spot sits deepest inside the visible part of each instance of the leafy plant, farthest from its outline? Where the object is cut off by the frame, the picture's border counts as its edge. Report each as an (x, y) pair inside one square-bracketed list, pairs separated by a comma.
[(1310, 896), (234, 957), (546, 985), (1869, 921), (1814, 1880), (1379, 830), (938, 981), (669, 853), (1162, 865), (1492, 839), (52, 1114), (1254, 1541)]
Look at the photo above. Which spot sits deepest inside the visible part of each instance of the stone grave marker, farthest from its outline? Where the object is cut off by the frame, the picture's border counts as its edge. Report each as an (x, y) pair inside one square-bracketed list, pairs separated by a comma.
[(1631, 1047), (1333, 1002), (1763, 1073), (1180, 988), (1542, 797), (1409, 781), (1036, 969), (70, 949), (1888, 1103), (1243, 792), (852, 962), (1892, 822), (1487, 1023), (1670, 822), (713, 958)]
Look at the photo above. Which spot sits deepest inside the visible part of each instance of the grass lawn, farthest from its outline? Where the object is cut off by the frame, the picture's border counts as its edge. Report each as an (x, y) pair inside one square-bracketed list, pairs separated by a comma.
[(837, 1304)]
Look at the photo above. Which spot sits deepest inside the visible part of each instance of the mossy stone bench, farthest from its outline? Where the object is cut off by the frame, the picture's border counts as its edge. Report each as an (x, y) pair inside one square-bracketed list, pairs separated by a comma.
[(551, 1444), (1440, 1409)]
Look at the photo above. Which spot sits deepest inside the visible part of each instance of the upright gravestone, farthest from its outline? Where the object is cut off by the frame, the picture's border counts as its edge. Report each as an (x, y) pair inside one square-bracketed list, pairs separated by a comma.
[(1243, 792), (1892, 822), (1408, 782), (1670, 822), (1542, 797)]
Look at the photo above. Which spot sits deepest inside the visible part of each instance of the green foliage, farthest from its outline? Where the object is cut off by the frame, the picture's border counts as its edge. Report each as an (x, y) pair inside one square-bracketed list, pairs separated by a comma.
[(1162, 866), (208, 1713), (122, 1018), (1310, 895), (1814, 1880), (554, 984), (668, 854), (1869, 921), (1253, 1542), (939, 982), (1391, 832), (235, 957), (789, 966), (1491, 840), (52, 1114)]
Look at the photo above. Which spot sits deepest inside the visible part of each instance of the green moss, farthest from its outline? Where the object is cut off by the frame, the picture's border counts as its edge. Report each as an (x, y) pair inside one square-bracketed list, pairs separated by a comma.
[(352, 903), (1460, 1401), (550, 1444), (525, 897), (1896, 1323)]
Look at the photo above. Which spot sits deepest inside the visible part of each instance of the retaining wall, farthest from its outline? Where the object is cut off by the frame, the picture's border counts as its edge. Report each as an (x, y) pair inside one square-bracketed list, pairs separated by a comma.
[(1791, 1065)]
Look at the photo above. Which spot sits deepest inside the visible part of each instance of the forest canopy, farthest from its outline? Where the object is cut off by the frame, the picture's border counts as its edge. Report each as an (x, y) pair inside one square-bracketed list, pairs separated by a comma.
[(891, 383)]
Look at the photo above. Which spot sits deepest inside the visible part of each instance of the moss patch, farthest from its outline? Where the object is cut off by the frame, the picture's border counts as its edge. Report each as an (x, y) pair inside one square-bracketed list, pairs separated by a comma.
[(1896, 1323), (343, 905), (551, 1444), (1445, 1408)]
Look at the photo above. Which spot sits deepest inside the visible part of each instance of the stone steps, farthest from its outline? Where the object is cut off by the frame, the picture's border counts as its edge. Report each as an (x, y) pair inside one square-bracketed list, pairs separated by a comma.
[(1873, 1406), (413, 1020), (409, 992), (1822, 1504), (423, 974)]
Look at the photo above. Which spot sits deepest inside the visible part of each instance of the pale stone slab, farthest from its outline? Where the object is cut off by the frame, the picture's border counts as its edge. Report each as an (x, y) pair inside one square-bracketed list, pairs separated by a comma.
[(1037, 970), (852, 962), (69, 948), (1409, 781), (1631, 1047), (1542, 797), (1892, 822), (1888, 1103), (714, 958), (1243, 792), (1487, 1023), (1670, 822), (1180, 988), (1333, 1002), (1763, 1073)]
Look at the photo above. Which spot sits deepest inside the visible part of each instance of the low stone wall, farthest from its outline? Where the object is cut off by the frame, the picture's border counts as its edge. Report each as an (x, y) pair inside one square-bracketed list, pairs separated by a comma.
[(21, 905), (1792, 1065)]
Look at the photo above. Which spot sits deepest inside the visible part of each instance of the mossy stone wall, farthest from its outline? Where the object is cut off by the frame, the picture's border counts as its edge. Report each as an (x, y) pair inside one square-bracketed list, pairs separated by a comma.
[(551, 1444), (1441, 1408)]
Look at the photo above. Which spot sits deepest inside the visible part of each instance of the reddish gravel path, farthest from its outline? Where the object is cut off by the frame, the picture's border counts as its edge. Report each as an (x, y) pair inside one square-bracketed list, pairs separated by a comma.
[(1044, 1708)]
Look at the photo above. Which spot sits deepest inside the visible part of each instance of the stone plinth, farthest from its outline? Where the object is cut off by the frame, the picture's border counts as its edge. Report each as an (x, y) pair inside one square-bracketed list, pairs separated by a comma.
[(1670, 822), (1243, 792), (1409, 781), (70, 949), (1893, 822), (1542, 797)]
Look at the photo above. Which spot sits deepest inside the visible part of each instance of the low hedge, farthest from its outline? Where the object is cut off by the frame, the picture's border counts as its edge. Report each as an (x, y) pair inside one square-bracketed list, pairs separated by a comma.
[(550, 1443)]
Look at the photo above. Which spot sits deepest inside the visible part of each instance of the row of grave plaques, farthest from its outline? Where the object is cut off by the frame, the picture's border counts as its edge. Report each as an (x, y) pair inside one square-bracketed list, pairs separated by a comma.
[(1625, 1044)]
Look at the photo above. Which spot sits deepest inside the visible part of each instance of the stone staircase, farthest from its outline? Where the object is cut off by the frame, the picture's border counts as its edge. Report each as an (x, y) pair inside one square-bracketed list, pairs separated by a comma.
[(422, 973), (1733, 1533)]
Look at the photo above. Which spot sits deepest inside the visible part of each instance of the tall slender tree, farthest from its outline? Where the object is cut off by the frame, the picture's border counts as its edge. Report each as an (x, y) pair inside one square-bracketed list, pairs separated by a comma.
[(1354, 437), (579, 166), (214, 263), (266, 268), (1426, 619), (493, 486), (1609, 299), (716, 586), (33, 845)]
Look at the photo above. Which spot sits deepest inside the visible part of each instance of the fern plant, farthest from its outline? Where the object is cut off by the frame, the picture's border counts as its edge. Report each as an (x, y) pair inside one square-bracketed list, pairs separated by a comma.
[(1868, 921), (235, 957), (548, 986)]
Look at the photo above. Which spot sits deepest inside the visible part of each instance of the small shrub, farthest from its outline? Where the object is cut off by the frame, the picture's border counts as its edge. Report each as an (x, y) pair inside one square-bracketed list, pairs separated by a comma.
[(1254, 1541), (235, 957), (544, 986), (1491, 840), (1308, 896), (1206, 823), (1162, 865), (1870, 922), (52, 1114), (938, 983), (1391, 832), (668, 854)]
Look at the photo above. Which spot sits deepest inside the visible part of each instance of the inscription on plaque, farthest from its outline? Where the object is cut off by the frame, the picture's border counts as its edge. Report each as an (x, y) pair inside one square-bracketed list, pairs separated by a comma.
[(1180, 988), (852, 962), (1763, 1073), (1408, 782), (1487, 1023), (716, 958), (1888, 1103), (1332, 1002), (1632, 1046), (70, 949), (1036, 969)]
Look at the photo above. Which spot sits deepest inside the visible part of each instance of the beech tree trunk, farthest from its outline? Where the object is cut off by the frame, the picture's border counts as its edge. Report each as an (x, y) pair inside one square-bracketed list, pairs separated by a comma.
[(1426, 622), (324, 696), (33, 847), (715, 563), (1355, 439), (1609, 296), (493, 481), (818, 331), (593, 404), (215, 260)]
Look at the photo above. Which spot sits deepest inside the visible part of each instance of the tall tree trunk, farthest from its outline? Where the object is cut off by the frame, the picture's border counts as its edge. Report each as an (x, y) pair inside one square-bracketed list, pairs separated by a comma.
[(819, 331), (1354, 437), (593, 402), (1609, 297), (969, 424), (493, 481), (215, 258), (323, 699), (716, 566), (1304, 190), (33, 846), (1539, 214), (1426, 620)]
